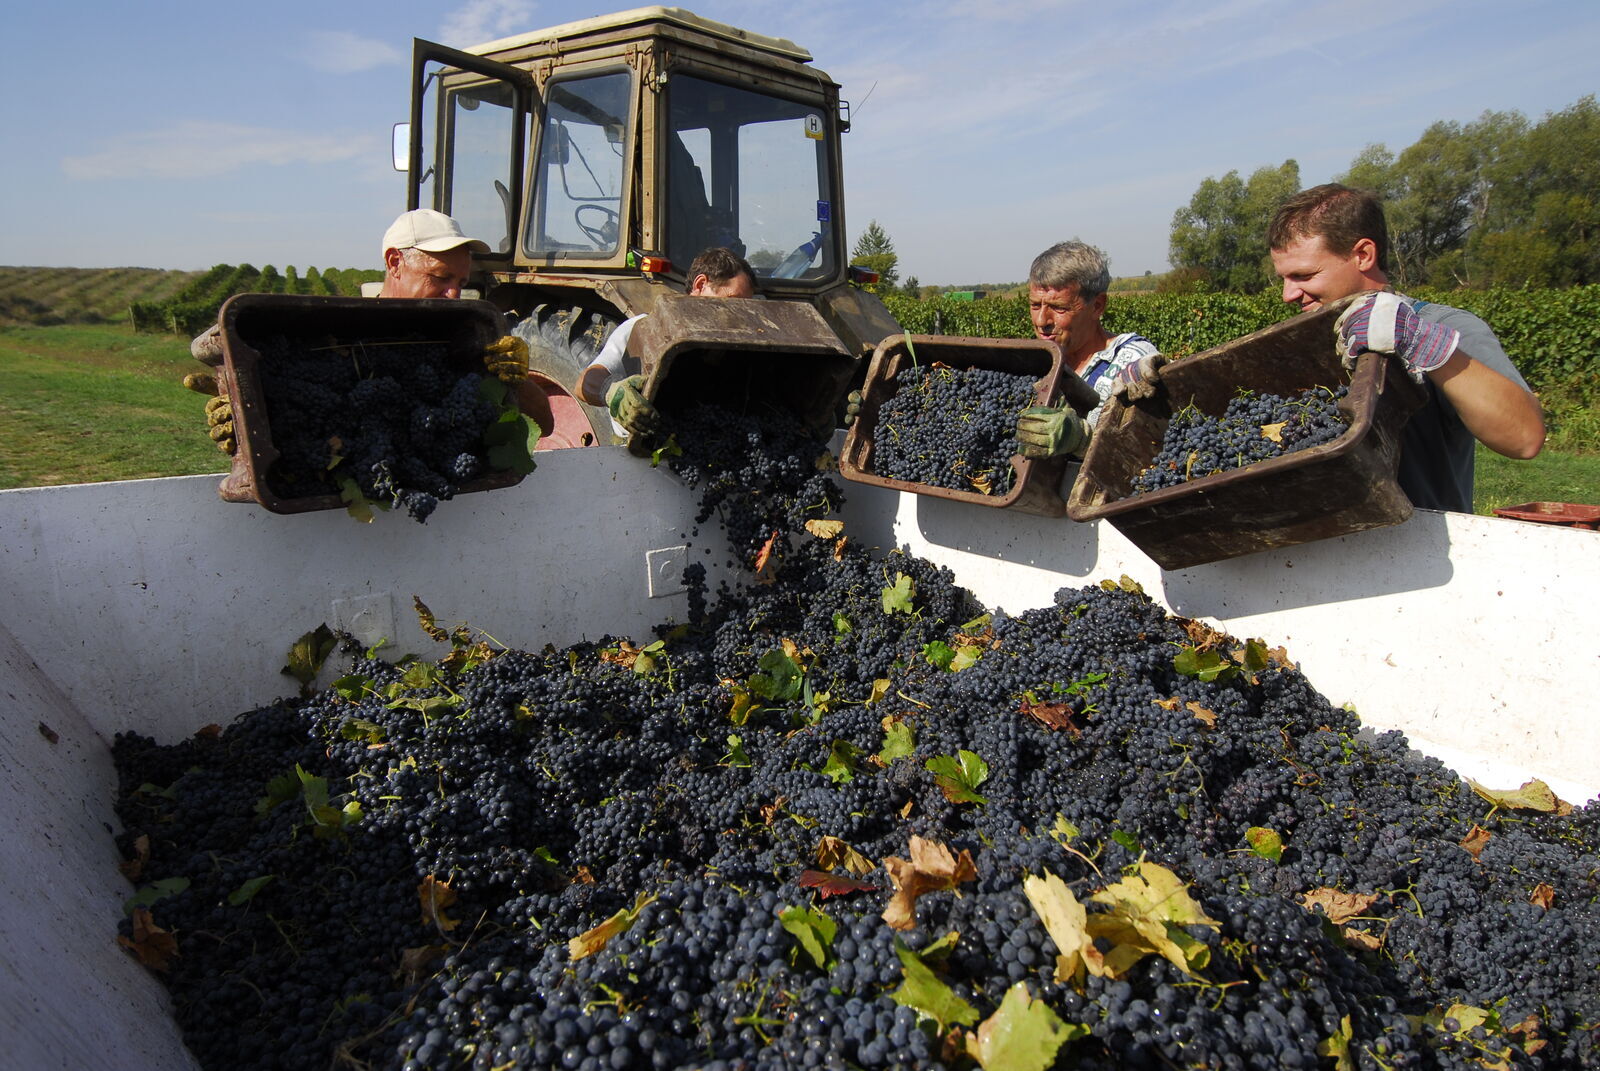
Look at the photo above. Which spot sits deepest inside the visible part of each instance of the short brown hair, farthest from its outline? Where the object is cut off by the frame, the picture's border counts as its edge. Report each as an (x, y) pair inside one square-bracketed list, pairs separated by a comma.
[(720, 265), (1340, 215)]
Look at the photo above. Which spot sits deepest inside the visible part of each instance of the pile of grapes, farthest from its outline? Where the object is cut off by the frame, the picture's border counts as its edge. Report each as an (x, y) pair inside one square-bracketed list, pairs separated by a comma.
[(1254, 427), (845, 818), (399, 421), (951, 427)]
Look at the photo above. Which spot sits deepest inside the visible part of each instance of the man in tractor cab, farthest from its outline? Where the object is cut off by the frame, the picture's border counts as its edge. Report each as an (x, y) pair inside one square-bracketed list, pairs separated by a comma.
[(614, 380), (425, 255), (1331, 241)]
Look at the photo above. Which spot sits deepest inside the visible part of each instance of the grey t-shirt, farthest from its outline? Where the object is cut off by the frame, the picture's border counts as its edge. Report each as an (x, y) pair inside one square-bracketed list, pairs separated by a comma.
[(1436, 451)]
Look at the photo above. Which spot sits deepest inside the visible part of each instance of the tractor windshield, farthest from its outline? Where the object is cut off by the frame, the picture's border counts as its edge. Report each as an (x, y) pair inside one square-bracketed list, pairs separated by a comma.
[(751, 172)]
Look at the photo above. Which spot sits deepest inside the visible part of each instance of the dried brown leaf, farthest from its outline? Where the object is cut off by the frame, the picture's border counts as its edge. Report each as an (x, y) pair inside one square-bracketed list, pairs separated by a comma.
[(1543, 896), (1205, 715), (417, 963), (133, 869), (832, 884), (1051, 715), (931, 868), (435, 896), (1476, 840), (1361, 939), (1340, 907), (155, 947), (833, 853)]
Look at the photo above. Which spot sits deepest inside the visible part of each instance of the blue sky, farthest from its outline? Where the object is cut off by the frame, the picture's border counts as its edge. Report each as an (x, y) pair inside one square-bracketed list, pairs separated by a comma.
[(180, 135)]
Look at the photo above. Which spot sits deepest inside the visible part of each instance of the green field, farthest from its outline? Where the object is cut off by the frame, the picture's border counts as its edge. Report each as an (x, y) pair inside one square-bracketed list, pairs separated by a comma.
[(86, 403)]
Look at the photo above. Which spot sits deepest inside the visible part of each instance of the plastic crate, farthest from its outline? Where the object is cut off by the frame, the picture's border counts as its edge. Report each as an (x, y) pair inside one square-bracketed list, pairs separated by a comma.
[(744, 354), (1569, 514), (1343, 486), (229, 347), (1034, 486)]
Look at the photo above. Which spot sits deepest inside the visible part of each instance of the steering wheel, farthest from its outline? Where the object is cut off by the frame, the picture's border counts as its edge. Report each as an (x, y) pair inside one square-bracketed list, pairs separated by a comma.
[(604, 235)]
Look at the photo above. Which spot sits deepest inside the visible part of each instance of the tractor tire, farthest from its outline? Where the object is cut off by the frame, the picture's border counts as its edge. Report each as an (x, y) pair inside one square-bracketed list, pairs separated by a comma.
[(563, 340)]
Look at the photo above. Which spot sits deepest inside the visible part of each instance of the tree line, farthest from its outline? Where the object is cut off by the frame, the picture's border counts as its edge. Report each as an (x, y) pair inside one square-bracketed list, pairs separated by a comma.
[(1497, 202)]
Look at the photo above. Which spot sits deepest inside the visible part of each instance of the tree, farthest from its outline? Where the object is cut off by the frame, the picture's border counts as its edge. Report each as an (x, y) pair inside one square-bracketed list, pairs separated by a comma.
[(875, 252), (913, 288), (1221, 235)]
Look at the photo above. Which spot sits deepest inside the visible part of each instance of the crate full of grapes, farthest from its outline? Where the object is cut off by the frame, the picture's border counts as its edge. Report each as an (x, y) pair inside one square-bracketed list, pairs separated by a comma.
[(938, 417), (1262, 442), (359, 403)]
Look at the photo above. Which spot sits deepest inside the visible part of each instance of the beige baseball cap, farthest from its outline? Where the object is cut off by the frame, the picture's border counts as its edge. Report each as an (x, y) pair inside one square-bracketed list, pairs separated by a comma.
[(430, 231)]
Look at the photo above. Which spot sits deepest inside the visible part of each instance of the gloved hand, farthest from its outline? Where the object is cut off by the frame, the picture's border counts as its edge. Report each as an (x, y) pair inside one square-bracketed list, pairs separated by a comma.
[(631, 409), (1386, 323), (1045, 431), (1139, 380), (219, 411), (507, 357)]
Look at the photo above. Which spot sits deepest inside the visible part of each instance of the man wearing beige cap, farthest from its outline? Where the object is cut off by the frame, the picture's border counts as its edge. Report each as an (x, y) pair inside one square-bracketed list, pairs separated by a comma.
[(425, 255)]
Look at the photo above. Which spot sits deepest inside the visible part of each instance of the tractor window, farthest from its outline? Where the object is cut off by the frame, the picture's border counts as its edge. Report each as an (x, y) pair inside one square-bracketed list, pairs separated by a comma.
[(751, 172), (480, 199), (579, 182)]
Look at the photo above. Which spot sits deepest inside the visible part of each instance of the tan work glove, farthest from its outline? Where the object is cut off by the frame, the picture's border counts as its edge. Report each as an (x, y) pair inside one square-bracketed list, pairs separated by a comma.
[(219, 411), (507, 357)]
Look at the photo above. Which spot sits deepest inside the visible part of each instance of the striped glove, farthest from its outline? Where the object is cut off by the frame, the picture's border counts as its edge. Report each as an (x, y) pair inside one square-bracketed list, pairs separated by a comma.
[(1386, 323)]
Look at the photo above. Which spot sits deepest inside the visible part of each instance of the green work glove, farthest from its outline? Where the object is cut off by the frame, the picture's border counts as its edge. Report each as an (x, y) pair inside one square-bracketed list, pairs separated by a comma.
[(631, 409), (507, 357), (219, 411), (1045, 432)]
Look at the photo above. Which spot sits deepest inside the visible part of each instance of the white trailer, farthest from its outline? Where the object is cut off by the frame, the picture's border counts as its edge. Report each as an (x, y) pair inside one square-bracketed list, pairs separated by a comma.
[(152, 606)]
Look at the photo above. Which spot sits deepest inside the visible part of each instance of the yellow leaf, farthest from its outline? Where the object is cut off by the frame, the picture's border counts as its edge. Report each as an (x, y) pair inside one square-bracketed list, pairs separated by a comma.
[(825, 529), (1151, 909), (1340, 907), (833, 852), (593, 940), (1066, 921), (1274, 431)]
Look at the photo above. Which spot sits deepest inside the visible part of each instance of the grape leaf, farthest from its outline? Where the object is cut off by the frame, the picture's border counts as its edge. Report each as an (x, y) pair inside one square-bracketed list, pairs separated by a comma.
[(307, 655), (841, 624), (966, 655), (778, 679), (1149, 912), (825, 529), (831, 884), (1476, 840), (154, 947), (898, 740), (880, 688), (247, 892), (932, 867), (1205, 715), (1543, 895), (1204, 665), (764, 555), (833, 853), (593, 940), (813, 932), (670, 448), (1274, 432), (1066, 921), (1023, 1034), (434, 896), (156, 890), (958, 776), (736, 755), (355, 503), (841, 765), (1267, 843), (1532, 796), (1050, 715), (938, 654), (1337, 1046), (926, 994), (1340, 907), (897, 599), (362, 729)]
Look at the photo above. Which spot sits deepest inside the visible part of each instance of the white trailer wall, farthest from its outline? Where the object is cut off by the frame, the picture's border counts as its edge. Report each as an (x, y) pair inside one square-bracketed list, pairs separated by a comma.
[(151, 605)]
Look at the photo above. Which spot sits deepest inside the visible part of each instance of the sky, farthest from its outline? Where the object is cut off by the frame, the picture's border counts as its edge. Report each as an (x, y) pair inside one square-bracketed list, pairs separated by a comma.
[(181, 135)]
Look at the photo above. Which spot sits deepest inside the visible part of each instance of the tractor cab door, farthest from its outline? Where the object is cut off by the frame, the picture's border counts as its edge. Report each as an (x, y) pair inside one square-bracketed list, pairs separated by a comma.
[(468, 136)]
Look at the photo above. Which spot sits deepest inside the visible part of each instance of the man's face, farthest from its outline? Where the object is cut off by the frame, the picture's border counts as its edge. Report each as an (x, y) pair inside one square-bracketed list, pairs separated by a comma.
[(1314, 275), (738, 286), (1061, 315), (418, 274)]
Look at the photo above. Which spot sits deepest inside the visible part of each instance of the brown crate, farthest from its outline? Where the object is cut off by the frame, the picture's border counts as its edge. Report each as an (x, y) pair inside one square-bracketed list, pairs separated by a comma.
[(1570, 514), (1344, 486), (1035, 483), (247, 318)]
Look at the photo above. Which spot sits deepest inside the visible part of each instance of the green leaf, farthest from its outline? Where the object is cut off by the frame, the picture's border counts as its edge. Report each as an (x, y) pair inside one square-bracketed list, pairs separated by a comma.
[(280, 789), (958, 776), (492, 390), (314, 788), (1255, 656), (308, 654), (670, 448), (1064, 832), (813, 932), (938, 654), (779, 679), (148, 789), (924, 993), (1207, 665), (897, 599), (156, 890), (352, 686), (736, 755), (898, 742), (977, 624), (841, 765), (1022, 1035), (247, 892), (965, 657), (1532, 796), (362, 729), (1127, 840), (1267, 843), (841, 624), (355, 503), (1337, 1047)]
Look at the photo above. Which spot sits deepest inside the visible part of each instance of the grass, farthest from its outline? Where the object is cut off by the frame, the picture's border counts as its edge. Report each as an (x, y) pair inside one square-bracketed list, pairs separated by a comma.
[(87, 403)]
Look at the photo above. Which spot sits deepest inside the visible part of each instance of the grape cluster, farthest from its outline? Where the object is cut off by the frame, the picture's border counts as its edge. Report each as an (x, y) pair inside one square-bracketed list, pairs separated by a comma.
[(399, 418), (951, 427), (390, 873), (1254, 427)]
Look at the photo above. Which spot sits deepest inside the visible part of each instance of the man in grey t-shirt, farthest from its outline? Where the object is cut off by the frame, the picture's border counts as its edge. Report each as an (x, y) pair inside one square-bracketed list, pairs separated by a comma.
[(1331, 241)]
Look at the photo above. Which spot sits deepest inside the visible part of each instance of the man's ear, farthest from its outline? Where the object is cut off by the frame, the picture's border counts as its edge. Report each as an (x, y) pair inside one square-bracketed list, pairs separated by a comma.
[(391, 259), (1364, 254), (1099, 304), (698, 284)]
